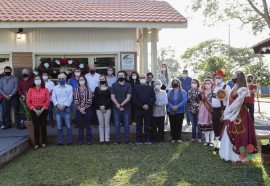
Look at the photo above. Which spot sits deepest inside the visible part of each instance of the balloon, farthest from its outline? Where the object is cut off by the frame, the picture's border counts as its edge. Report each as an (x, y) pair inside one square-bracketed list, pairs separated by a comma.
[(249, 157), (242, 156), (242, 149), (250, 148)]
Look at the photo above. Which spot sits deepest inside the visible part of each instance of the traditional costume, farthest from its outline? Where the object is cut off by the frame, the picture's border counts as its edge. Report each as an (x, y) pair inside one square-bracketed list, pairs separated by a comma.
[(238, 127)]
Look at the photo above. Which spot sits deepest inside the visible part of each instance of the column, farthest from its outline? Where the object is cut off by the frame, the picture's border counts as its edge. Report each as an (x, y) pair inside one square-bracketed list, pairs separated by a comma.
[(154, 65)]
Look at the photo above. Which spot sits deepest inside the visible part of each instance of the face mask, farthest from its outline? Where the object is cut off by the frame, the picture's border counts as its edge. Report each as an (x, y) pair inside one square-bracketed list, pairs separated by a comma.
[(82, 82), (143, 81), (102, 82), (157, 87), (175, 85), (184, 75), (249, 80), (163, 69), (77, 74), (121, 79), (35, 73), (37, 82), (25, 75), (110, 72), (134, 77), (7, 73), (209, 77), (234, 80), (92, 71), (62, 82), (194, 85), (218, 81), (44, 77), (207, 87)]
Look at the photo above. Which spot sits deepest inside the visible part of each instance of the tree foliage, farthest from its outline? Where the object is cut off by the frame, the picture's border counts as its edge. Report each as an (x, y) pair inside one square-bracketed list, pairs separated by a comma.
[(249, 12)]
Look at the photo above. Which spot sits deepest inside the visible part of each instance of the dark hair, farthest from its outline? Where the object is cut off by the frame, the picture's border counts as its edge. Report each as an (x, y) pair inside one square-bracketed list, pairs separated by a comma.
[(8, 68), (45, 71), (178, 81), (197, 81), (111, 67), (42, 82), (86, 84), (185, 70), (250, 75), (102, 75), (135, 72), (149, 74), (122, 71), (77, 68)]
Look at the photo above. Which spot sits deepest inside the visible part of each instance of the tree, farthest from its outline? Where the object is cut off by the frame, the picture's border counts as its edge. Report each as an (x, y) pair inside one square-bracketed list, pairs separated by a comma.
[(212, 55), (166, 55), (249, 12), (261, 74)]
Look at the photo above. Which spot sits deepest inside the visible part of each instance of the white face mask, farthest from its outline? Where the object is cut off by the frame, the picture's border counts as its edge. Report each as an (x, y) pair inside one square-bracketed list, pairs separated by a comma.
[(35, 73), (110, 72), (194, 85), (163, 69), (208, 87), (218, 81), (143, 81), (184, 75), (134, 77), (45, 77), (157, 87), (77, 74), (37, 82), (82, 82)]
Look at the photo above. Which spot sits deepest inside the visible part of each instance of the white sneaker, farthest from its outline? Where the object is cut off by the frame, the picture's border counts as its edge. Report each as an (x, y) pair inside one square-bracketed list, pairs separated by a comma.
[(173, 141), (2, 127), (179, 141), (199, 140)]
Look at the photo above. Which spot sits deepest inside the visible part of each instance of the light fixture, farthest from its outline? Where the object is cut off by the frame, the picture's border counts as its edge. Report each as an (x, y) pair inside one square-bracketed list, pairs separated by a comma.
[(19, 33)]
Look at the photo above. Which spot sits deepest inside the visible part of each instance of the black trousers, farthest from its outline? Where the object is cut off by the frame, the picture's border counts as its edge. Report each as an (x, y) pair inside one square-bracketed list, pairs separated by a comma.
[(157, 128), (250, 108), (7, 104), (143, 119), (176, 122), (39, 123), (217, 123)]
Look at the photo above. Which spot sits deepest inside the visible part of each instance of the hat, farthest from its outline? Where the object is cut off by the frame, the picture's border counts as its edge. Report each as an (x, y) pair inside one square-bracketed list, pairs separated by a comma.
[(220, 72)]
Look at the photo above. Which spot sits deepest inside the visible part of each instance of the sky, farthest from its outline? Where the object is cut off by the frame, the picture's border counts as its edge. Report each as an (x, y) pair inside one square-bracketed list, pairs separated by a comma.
[(181, 39)]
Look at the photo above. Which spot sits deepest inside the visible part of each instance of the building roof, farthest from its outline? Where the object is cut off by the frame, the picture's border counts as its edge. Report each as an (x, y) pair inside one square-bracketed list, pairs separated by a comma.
[(262, 47), (120, 11)]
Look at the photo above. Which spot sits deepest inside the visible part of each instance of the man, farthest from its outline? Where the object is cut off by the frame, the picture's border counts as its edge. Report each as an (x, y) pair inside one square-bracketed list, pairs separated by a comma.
[(49, 85), (62, 97), (111, 79), (150, 77), (8, 88), (250, 100), (120, 94), (74, 82), (24, 84), (230, 83), (186, 85), (144, 98), (219, 103), (93, 81)]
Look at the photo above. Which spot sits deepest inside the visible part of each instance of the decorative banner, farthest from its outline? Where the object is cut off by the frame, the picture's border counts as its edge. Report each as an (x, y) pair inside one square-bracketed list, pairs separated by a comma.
[(128, 61)]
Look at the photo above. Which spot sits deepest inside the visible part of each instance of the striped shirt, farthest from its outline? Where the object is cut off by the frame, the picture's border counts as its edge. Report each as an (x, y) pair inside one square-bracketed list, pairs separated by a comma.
[(82, 98)]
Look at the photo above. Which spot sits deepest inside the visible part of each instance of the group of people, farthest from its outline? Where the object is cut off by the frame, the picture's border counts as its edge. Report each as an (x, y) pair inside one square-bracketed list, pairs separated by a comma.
[(212, 108)]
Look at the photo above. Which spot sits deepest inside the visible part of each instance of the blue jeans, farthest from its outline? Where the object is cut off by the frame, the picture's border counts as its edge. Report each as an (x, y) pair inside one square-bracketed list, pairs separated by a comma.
[(84, 121), (250, 108), (2, 113), (187, 112), (194, 121), (124, 117), (65, 115), (50, 113)]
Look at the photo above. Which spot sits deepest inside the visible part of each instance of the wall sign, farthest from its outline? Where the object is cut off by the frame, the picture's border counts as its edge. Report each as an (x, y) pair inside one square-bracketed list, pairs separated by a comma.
[(128, 61)]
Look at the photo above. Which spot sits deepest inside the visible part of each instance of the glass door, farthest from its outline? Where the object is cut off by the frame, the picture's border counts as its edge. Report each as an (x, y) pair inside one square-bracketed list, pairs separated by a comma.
[(102, 62)]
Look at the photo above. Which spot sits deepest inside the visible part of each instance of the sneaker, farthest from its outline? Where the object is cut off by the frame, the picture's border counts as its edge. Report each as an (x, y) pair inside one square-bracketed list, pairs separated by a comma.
[(138, 143), (3, 127), (206, 144), (211, 144), (199, 140), (193, 140), (148, 143), (173, 141), (36, 147), (179, 141), (43, 145)]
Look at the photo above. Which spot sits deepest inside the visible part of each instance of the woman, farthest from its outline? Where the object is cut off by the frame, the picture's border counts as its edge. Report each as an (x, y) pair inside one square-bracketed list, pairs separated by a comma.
[(177, 98), (194, 97), (103, 101), (159, 111), (205, 117), (238, 127), (165, 78), (38, 100), (83, 101), (133, 82)]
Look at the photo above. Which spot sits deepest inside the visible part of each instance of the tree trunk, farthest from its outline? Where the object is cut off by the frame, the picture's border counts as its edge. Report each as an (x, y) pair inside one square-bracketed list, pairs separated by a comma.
[(258, 94)]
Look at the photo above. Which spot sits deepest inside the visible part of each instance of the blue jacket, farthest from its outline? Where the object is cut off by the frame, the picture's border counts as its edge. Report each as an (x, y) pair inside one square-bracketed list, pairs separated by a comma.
[(181, 105), (186, 83)]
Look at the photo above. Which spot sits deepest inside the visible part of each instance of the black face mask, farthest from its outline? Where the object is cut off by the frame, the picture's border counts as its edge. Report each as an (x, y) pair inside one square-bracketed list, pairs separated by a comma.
[(209, 78), (7, 73), (175, 85), (92, 71), (102, 82), (234, 80), (249, 80), (25, 75), (121, 79)]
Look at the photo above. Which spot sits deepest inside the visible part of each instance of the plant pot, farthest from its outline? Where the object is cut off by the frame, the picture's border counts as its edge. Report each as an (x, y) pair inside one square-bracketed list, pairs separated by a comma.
[(30, 127), (266, 154)]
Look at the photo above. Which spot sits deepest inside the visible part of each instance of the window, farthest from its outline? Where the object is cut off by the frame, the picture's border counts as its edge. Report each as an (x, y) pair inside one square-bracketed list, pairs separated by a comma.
[(4, 61)]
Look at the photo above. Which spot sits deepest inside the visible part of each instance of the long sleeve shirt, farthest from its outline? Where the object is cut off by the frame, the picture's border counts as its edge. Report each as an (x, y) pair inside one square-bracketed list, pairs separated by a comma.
[(9, 86), (82, 98), (74, 83), (62, 95), (144, 95), (103, 97), (38, 98), (181, 104), (159, 108), (24, 86)]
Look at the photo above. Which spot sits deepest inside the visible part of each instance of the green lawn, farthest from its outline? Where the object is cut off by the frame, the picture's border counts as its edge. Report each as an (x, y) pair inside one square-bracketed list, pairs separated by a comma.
[(158, 164)]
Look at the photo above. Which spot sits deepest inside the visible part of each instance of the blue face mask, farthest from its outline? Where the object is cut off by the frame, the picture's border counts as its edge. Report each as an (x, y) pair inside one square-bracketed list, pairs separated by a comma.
[(62, 82)]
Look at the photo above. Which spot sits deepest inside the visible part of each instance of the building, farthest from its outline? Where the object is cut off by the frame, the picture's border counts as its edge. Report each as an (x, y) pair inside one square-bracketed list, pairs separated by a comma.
[(100, 32)]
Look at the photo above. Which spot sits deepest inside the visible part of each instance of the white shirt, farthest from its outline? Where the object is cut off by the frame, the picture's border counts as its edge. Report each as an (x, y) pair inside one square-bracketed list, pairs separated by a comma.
[(62, 95), (49, 85), (111, 80), (92, 81), (215, 101)]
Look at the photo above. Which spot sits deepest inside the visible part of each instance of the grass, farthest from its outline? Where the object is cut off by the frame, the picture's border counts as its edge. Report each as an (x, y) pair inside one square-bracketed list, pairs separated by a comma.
[(159, 164)]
